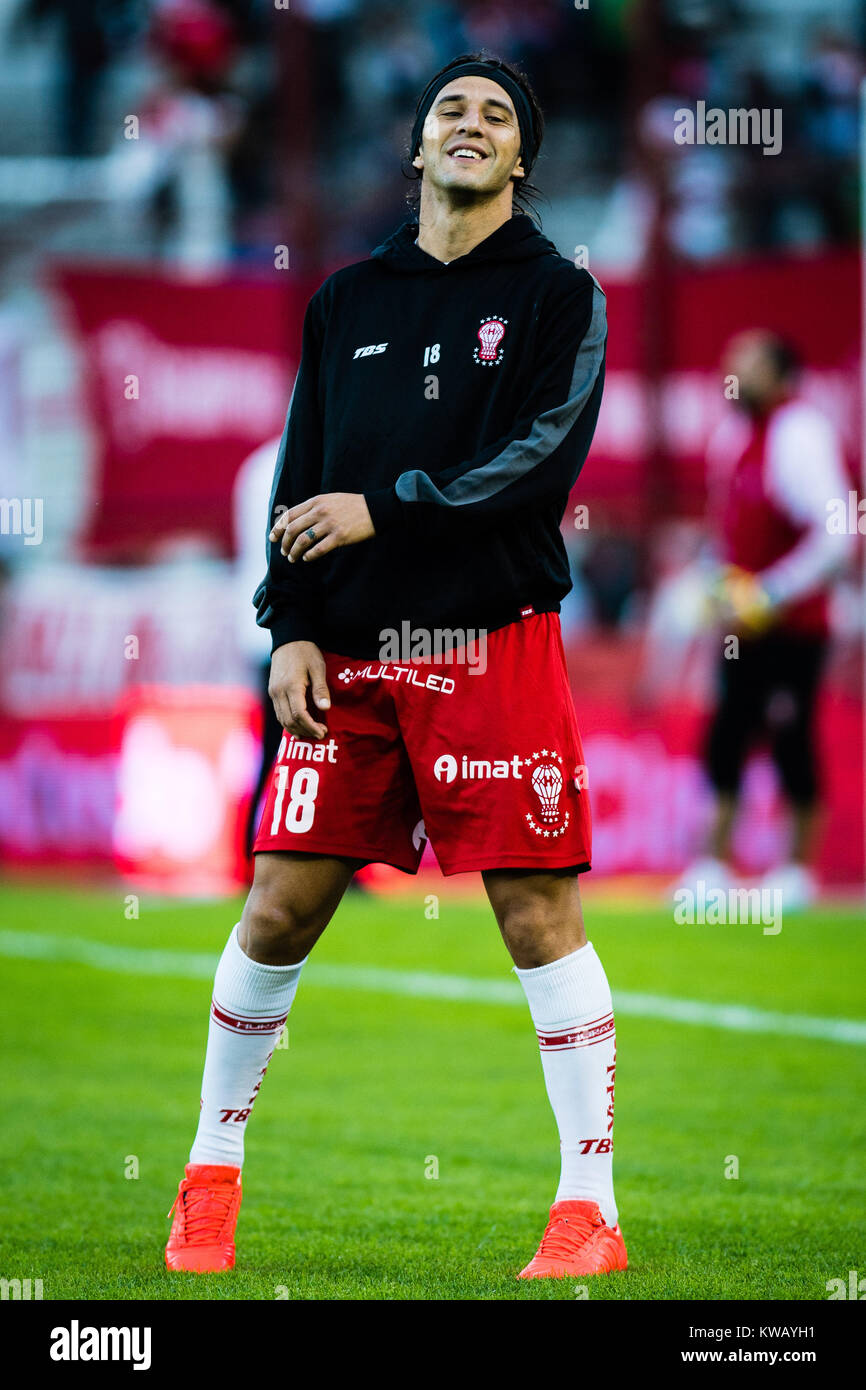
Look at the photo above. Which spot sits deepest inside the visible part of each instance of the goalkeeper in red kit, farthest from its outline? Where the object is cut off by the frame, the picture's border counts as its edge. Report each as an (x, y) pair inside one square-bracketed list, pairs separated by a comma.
[(445, 403)]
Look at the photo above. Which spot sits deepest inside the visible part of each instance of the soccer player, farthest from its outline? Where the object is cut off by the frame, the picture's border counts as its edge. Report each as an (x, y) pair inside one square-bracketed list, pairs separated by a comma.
[(446, 399), (773, 468)]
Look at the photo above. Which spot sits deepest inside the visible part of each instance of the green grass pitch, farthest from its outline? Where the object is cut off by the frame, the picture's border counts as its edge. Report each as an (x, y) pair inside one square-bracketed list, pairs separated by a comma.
[(102, 1070)]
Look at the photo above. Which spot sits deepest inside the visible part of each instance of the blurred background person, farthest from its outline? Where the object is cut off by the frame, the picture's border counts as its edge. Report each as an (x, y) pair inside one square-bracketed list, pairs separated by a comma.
[(192, 118), (90, 36), (774, 473)]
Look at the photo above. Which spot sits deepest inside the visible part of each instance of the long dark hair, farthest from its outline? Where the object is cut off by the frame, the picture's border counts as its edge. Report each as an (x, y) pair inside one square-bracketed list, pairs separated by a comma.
[(526, 194)]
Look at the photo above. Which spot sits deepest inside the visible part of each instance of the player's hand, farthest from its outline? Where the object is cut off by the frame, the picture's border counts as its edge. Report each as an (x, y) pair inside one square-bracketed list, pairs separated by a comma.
[(322, 524), (739, 599), (296, 668)]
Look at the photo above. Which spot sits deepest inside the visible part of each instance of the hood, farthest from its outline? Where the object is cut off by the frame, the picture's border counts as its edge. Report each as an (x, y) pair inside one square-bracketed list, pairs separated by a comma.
[(518, 239)]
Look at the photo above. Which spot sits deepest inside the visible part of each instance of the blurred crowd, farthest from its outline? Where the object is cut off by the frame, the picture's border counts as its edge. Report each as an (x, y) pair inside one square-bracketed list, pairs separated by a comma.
[(292, 118)]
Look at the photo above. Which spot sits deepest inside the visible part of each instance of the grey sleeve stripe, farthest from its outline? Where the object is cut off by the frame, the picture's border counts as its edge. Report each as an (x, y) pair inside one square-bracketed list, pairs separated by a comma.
[(547, 433)]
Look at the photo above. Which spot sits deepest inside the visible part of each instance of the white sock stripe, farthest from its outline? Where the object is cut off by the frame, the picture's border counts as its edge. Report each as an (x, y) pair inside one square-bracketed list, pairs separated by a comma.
[(570, 1024), (251, 1015), (234, 1023), (566, 1042)]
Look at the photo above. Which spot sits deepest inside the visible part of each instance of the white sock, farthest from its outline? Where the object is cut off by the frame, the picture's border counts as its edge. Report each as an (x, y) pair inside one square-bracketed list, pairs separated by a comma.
[(250, 1005), (571, 1007)]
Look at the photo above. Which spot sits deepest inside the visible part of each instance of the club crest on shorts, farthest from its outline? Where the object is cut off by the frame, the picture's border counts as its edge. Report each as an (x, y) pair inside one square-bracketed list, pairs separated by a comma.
[(490, 335), (546, 781)]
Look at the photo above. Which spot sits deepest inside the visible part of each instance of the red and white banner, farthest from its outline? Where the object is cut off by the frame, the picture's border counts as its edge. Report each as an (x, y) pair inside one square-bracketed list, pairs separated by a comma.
[(76, 638), (183, 378), (156, 790)]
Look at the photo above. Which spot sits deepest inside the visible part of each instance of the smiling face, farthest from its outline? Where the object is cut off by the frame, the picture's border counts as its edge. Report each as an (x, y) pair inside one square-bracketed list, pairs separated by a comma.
[(470, 144)]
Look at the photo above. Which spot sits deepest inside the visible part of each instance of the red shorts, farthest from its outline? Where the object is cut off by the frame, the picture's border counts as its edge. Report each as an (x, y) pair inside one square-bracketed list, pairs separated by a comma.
[(481, 754)]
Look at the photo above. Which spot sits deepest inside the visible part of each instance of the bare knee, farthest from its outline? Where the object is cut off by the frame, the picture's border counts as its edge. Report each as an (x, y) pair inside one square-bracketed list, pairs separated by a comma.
[(289, 906), (539, 916), (534, 937), (270, 930)]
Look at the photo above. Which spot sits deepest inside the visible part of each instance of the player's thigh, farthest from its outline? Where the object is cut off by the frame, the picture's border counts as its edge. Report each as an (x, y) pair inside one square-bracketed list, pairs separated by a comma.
[(739, 714), (497, 757), (293, 897), (742, 681), (791, 710), (792, 736), (797, 666)]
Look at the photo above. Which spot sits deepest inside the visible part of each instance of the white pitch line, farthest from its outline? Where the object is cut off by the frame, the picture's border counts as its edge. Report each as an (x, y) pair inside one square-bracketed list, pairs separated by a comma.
[(421, 984)]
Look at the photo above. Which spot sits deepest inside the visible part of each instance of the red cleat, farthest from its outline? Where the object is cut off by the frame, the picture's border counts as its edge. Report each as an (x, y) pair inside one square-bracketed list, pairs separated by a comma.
[(576, 1242), (205, 1214)]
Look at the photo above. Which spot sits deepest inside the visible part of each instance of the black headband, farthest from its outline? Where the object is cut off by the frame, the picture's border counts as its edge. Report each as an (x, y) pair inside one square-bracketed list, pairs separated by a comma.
[(528, 143)]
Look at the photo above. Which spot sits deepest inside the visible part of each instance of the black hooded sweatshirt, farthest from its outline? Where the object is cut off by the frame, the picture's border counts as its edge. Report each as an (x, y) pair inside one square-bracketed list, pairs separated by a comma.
[(460, 398)]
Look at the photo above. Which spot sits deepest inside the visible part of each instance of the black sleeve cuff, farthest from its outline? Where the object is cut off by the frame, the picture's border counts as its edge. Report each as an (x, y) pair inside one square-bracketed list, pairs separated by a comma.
[(292, 627), (385, 508)]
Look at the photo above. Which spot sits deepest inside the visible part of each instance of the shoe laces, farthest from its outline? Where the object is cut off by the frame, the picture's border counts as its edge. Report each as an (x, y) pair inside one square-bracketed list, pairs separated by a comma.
[(565, 1234), (204, 1211)]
